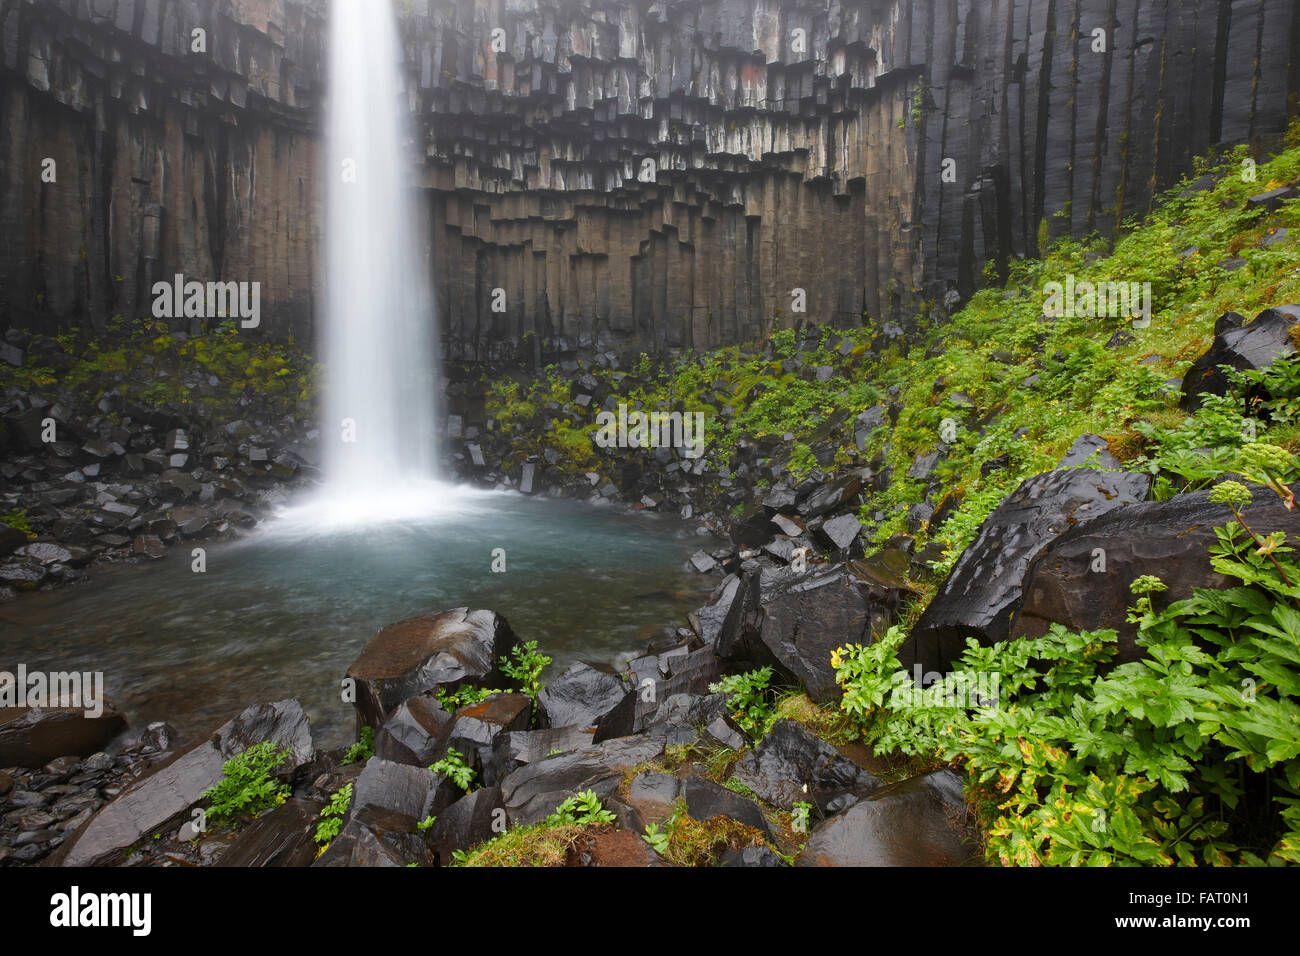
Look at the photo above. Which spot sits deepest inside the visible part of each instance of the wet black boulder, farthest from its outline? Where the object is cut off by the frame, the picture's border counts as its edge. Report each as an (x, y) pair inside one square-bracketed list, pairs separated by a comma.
[(1255, 345), (1081, 579), (416, 733), (795, 622), (579, 697), (420, 654), (982, 594), (791, 765), (473, 819), (919, 822)]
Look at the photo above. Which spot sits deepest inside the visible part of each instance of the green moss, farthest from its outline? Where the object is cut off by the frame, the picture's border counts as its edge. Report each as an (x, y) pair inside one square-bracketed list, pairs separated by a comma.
[(145, 364), (692, 842), (541, 844), (17, 519)]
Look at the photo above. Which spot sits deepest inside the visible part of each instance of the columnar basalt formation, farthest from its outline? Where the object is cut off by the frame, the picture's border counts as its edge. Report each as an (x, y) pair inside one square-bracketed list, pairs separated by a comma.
[(633, 175), (128, 156)]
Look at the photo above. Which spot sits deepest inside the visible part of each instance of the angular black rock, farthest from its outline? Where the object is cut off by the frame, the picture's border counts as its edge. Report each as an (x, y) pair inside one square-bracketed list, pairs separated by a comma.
[(982, 593), (791, 765), (579, 697), (919, 822), (532, 792), (1081, 579), (424, 653), (1254, 346)]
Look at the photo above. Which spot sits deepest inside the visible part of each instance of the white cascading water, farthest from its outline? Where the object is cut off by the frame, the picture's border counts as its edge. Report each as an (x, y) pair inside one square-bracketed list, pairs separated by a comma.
[(377, 431)]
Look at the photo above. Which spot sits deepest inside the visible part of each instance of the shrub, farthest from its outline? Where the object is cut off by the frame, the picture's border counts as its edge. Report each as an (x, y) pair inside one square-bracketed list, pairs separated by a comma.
[(1187, 755), (750, 699), (247, 786), (363, 749), (526, 667), (453, 767), (331, 817)]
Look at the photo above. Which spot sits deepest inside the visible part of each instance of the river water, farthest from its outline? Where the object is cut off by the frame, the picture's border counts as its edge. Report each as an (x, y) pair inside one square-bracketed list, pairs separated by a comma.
[(284, 612)]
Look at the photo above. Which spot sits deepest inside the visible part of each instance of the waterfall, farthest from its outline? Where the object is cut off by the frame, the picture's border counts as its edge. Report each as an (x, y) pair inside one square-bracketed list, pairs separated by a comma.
[(378, 428)]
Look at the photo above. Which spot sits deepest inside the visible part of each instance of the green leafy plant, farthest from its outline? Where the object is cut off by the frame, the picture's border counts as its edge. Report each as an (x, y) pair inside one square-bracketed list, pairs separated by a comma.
[(526, 667), (427, 822), (1187, 755), (802, 812), (750, 699), (18, 520), (657, 839), (466, 696), (454, 768), (246, 786), (363, 749), (583, 809), (331, 817)]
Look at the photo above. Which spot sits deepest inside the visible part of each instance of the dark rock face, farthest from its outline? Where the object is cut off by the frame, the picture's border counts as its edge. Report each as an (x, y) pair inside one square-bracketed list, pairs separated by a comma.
[(33, 736), (676, 255), (377, 837), (791, 765), (1082, 578), (1091, 450), (797, 621), (416, 732), (473, 819), (169, 792), (380, 827), (652, 795), (805, 621), (579, 697), (706, 800), (423, 653), (285, 836), (983, 591), (248, 101), (410, 791), (515, 749), (830, 496), (919, 822), (751, 856), (476, 729), (672, 673), (1254, 346), (532, 792)]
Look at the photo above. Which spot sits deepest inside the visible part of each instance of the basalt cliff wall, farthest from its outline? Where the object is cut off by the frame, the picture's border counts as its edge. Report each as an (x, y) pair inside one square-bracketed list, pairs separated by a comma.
[(629, 175)]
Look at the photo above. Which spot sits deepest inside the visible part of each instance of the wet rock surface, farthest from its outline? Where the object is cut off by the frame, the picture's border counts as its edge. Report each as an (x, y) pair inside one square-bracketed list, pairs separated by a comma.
[(415, 733), (919, 822), (475, 818), (136, 809), (283, 837), (159, 800), (793, 765), (532, 792), (1081, 579), (1245, 347), (983, 592), (425, 653), (40, 807), (32, 737), (579, 697)]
